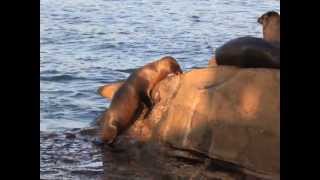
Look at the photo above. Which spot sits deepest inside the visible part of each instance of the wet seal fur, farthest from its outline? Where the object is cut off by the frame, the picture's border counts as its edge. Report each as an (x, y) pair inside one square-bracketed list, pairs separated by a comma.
[(129, 100), (249, 52), (270, 22)]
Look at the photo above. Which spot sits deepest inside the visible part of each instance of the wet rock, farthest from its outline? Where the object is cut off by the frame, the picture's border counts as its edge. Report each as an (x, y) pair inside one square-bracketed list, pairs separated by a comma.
[(70, 135), (48, 135), (89, 131)]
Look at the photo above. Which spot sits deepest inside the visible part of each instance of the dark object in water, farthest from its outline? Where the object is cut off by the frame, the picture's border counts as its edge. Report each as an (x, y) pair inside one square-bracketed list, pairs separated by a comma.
[(249, 52)]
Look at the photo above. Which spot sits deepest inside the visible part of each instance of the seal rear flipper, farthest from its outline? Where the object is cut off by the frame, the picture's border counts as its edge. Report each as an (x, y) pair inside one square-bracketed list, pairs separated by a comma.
[(107, 91)]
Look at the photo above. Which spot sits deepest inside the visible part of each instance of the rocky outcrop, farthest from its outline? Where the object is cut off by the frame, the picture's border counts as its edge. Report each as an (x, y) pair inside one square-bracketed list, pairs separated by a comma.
[(225, 115)]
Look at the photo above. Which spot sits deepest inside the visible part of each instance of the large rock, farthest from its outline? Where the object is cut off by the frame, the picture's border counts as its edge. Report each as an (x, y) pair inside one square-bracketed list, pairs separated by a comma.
[(227, 114)]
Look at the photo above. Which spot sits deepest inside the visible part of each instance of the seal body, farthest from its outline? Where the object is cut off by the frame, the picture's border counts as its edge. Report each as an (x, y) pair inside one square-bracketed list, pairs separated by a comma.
[(270, 22), (249, 52), (129, 100)]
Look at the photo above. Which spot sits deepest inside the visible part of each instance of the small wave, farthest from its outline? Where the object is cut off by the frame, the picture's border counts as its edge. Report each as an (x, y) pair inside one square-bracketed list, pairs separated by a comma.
[(55, 92), (50, 72), (45, 41), (104, 46), (195, 17), (101, 33), (197, 67), (79, 95), (129, 71), (61, 78)]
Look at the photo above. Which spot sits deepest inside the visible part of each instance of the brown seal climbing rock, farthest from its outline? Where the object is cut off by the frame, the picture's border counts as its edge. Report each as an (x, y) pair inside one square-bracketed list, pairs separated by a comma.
[(135, 92)]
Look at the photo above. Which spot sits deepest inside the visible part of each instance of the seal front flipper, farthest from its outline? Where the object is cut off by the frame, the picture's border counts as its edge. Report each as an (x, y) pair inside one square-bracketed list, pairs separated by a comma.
[(109, 129)]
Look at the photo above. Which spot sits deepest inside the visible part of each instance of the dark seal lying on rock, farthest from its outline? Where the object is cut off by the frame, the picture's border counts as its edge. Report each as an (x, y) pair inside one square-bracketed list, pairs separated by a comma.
[(129, 100), (249, 52)]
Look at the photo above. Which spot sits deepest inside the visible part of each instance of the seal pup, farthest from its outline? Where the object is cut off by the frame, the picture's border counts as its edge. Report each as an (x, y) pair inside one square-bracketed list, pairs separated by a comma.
[(128, 101), (270, 22)]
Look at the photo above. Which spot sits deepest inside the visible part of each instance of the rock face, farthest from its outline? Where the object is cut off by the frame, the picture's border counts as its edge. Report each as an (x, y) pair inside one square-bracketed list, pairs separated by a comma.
[(226, 114)]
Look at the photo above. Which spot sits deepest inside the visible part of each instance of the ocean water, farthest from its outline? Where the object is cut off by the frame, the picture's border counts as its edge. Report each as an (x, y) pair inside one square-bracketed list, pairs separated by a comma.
[(85, 44)]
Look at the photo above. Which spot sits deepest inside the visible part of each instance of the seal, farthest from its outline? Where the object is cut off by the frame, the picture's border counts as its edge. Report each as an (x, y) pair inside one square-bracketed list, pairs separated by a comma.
[(270, 22), (128, 101), (248, 52)]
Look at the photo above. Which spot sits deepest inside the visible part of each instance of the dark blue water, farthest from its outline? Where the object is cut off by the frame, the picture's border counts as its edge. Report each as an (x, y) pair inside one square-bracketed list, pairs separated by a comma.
[(88, 43)]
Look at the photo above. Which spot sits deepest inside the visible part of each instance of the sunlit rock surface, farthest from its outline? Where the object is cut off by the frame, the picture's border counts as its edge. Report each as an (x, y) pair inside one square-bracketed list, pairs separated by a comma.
[(227, 114)]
